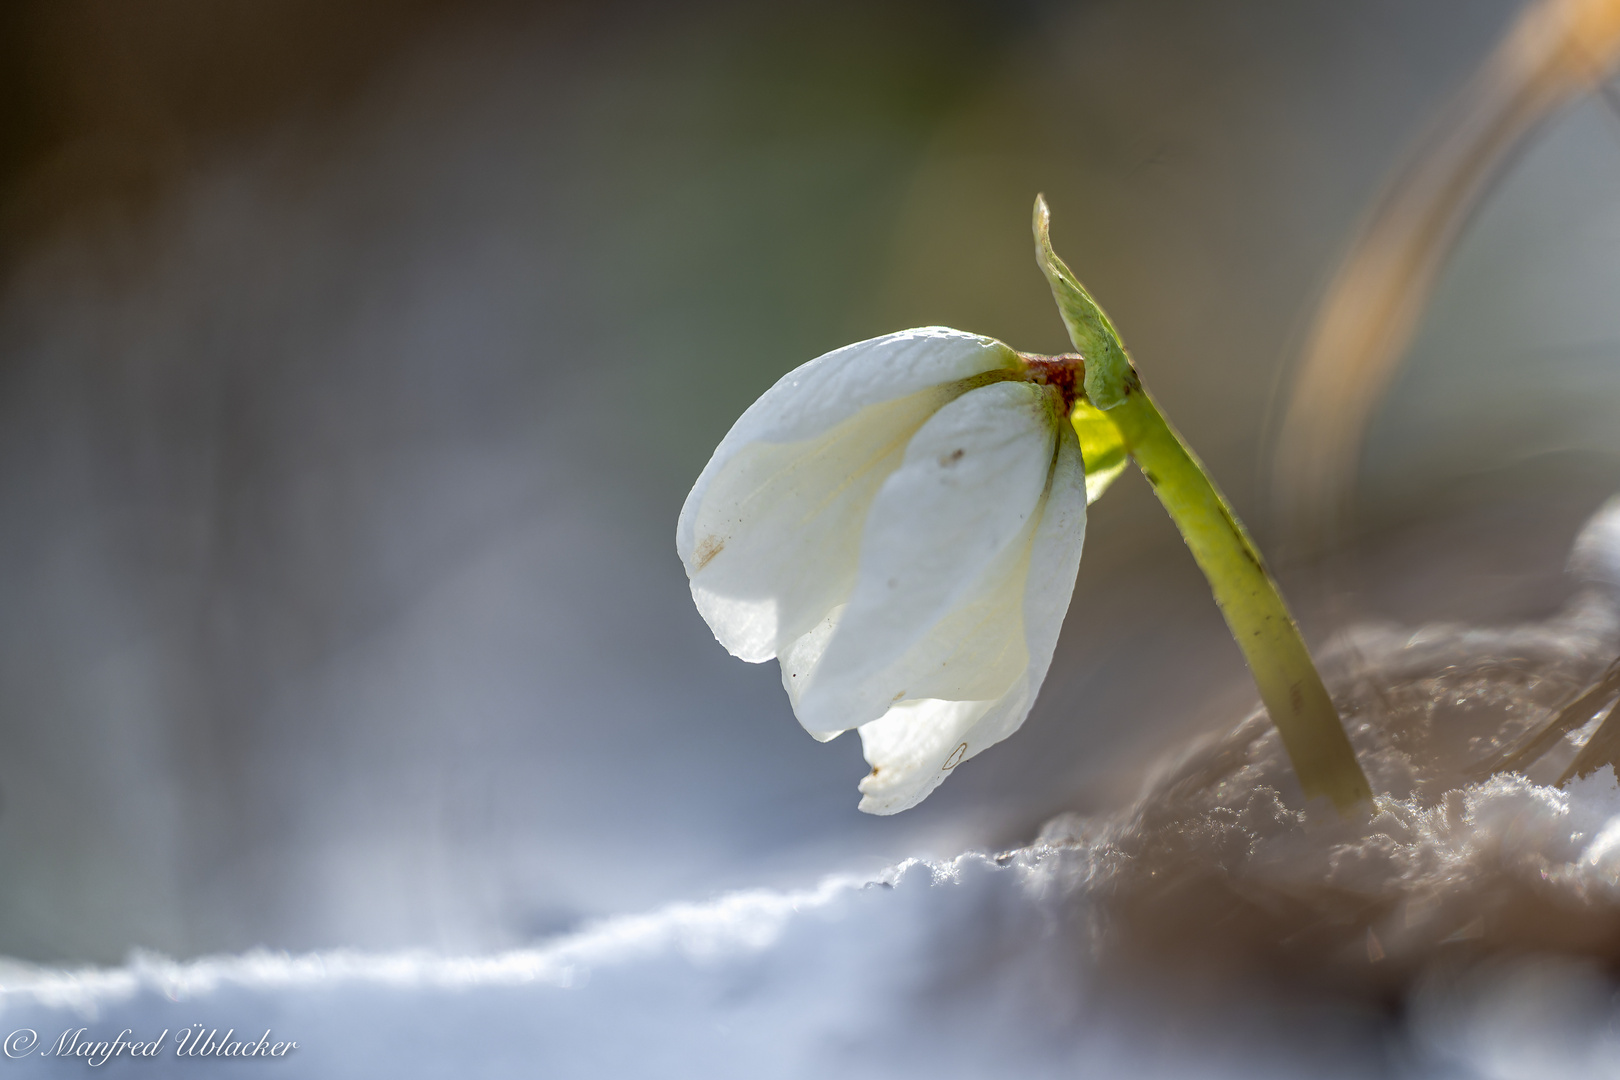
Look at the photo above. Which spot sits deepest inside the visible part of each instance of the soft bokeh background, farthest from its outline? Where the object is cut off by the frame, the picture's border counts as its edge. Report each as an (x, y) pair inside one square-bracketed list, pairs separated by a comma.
[(355, 358)]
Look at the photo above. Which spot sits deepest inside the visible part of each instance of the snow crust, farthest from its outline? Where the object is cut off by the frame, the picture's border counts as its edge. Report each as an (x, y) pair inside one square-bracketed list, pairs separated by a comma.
[(1218, 926)]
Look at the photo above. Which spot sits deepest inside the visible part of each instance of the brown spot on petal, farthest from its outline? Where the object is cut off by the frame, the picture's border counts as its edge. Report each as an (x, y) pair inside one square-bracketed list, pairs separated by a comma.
[(955, 759), (707, 549)]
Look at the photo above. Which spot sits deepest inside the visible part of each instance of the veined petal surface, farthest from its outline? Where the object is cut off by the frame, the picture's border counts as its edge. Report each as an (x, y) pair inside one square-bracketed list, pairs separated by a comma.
[(770, 532), (780, 525), (917, 743), (833, 387), (914, 746), (943, 553)]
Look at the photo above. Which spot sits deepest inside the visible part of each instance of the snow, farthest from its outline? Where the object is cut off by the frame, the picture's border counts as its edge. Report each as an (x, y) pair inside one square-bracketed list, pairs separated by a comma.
[(1217, 926)]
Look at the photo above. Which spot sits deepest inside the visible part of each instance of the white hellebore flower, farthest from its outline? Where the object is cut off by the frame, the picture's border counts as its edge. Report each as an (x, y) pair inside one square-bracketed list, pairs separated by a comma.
[(899, 524)]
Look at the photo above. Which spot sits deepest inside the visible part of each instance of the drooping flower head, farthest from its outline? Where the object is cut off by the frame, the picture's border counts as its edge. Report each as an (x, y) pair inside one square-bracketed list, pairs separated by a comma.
[(898, 523)]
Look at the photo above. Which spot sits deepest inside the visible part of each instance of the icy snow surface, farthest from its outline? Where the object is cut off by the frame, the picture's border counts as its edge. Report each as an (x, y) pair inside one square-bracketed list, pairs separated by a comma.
[(1217, 927)]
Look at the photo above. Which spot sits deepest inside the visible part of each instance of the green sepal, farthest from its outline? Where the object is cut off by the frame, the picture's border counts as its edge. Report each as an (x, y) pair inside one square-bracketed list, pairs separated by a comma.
[(1101, 446), (1109, 376)]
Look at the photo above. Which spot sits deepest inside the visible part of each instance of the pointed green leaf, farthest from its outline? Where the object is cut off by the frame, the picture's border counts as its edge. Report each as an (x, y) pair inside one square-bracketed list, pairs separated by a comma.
[(1109, 377)]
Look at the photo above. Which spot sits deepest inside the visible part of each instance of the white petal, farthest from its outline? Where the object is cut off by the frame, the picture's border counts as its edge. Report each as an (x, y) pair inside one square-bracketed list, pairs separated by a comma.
[(912, 748), (916, 744), (974, 652), (781, 525), (942, 556), (1054, 558), (833, 387)]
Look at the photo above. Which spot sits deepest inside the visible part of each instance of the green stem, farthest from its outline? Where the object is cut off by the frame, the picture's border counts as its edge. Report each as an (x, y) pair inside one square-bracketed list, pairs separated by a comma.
[(1289, 684), (1255, 613)]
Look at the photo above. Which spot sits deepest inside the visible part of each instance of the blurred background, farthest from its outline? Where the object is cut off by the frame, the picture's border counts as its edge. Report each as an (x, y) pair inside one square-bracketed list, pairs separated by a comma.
[(356, 356)]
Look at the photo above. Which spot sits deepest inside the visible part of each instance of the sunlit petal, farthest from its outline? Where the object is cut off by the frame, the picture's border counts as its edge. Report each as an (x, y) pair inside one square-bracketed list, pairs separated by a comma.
[(828, 390), (916, 744), (912, 748), (770, 532), (781, 524), (947, 539)]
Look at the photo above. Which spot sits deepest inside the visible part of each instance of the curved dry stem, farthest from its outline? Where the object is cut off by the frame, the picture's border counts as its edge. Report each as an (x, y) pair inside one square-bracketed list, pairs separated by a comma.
[(1577, 714), (1555, 52)]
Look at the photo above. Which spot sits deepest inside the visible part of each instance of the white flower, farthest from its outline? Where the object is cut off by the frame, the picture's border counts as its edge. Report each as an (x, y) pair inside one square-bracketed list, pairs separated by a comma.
[(899, 523)]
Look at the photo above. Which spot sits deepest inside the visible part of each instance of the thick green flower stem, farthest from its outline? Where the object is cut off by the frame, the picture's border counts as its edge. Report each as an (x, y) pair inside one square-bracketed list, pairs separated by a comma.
[(1289, 684)]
